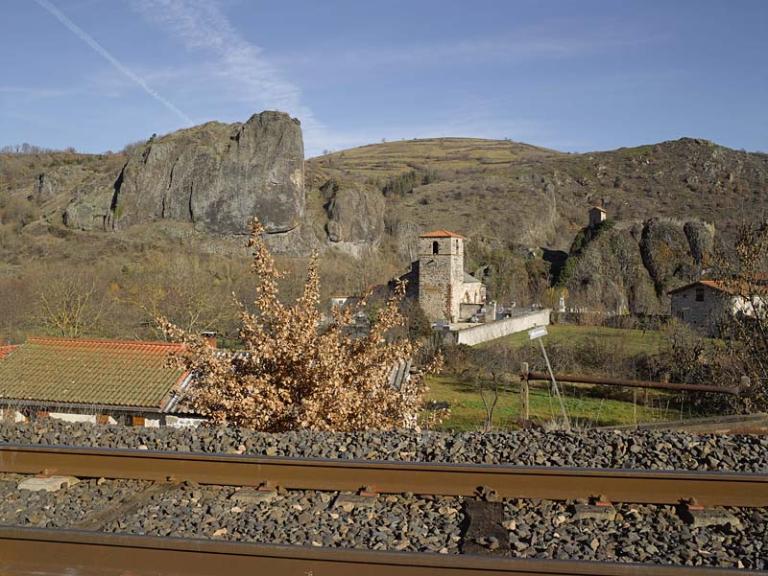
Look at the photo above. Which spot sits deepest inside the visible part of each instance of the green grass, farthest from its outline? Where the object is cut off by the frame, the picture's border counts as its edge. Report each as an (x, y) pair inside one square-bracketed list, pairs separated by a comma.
[(633, 342), (468, 413)]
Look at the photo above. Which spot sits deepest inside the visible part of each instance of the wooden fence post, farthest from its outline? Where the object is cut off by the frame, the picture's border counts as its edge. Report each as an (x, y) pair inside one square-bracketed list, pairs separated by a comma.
[(524, 400)]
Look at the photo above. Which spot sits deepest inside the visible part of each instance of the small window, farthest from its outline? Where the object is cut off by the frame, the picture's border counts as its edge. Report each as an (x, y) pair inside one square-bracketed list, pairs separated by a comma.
[(435, 247), (699, 294), (137, 420)]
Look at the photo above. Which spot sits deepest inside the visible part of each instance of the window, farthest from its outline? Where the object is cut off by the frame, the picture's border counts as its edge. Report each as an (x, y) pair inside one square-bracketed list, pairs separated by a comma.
[(699, 294), (435, 247)]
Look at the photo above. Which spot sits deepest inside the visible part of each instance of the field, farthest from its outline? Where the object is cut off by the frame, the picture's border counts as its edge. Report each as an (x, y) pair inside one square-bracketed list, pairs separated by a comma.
[(584, 404), (632, 342), (468, 412)]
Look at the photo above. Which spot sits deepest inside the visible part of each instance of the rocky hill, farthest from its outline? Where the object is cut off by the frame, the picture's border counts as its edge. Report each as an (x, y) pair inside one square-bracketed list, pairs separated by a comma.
[(540, 198), (363, 208)]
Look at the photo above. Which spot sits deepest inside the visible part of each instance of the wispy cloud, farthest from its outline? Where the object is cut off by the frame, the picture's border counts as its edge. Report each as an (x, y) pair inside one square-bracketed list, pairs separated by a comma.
[(104, 53), (241, 71), (556, 41)]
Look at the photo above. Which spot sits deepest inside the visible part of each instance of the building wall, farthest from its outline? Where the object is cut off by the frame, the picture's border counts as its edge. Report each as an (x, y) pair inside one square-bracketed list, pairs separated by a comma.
[(596, 216), (703, 314), (500, 328), (441, 277), (472, 293)]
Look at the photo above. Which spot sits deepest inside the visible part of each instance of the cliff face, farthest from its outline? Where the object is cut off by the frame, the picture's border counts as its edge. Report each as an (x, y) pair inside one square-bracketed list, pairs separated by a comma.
[(216, 176), (631, 266)]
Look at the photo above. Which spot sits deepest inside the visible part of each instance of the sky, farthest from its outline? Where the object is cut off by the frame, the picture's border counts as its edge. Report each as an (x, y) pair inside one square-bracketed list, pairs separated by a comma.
[(574, 75)]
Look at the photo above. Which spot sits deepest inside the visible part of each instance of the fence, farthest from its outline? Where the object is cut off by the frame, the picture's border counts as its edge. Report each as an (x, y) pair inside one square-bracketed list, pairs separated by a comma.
[(526, 376)]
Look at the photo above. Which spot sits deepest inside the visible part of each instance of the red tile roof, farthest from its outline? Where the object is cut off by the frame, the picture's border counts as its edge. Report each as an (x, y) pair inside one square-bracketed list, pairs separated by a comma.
[(723, 286), (98, 373), (5, 350), (441, 234)]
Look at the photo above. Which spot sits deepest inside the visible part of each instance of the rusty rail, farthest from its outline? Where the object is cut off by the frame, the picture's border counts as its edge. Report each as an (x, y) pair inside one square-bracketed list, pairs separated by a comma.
[(43, 552), (586, 379), (551, 483)]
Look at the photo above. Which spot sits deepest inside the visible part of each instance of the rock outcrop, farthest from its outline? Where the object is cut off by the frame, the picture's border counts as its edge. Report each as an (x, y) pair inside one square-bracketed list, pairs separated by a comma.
[(355, 215), (631, 266), (217, 176)]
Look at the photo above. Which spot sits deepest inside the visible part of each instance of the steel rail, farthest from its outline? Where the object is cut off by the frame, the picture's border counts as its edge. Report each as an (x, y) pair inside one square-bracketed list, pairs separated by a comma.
[(551, 483), (45, 552), (586, 379)]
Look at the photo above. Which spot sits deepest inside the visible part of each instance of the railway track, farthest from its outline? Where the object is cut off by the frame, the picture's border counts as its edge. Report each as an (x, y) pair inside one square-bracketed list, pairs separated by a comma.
[(483, 488)]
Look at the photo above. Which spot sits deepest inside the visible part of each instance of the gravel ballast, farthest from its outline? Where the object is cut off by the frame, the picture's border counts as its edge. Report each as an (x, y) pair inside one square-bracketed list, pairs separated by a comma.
[(307, 518), (539, 529), (642, 449), (63, 508), (639, 533)]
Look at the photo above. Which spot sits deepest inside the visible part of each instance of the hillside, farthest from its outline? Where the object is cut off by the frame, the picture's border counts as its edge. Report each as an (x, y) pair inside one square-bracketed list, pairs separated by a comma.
[(532, 196), (159, 227)]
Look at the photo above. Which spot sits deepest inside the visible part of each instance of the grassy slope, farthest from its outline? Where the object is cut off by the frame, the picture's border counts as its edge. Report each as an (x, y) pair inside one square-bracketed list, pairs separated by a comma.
[(632, 342), (392, 158), (468, 412)]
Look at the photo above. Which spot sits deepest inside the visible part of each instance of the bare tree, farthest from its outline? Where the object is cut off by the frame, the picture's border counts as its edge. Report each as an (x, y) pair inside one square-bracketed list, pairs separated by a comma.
[(71, 306)]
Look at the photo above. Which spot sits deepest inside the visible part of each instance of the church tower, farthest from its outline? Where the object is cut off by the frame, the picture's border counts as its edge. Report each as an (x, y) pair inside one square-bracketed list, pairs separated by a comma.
[(441, 274)]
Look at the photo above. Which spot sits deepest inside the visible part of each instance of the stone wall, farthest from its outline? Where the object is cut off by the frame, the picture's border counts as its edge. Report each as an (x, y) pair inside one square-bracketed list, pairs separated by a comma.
[(500, 328)]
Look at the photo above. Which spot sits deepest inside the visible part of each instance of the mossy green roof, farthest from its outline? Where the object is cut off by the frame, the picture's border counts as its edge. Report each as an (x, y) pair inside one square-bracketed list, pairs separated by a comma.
[(109, 373)]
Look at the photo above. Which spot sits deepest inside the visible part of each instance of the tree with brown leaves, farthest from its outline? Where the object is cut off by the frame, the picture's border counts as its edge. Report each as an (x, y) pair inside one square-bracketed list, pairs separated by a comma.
[(296, 372), (745, 332)]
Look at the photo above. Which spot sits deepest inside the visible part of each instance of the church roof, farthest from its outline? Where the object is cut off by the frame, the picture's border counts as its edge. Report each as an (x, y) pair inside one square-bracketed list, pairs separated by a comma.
[(441, 234), (469, 279)]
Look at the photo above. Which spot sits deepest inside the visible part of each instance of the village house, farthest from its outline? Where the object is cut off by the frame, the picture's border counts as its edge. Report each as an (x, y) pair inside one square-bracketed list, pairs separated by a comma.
[(704, 304), (100, 381)]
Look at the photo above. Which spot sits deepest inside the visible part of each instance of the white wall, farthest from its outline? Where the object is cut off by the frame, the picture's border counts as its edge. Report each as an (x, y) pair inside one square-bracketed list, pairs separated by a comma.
[(69, 417), (179, 422), (501, 328)]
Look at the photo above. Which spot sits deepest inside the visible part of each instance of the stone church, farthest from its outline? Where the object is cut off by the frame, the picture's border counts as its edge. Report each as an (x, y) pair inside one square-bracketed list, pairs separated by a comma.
[(445, 291)]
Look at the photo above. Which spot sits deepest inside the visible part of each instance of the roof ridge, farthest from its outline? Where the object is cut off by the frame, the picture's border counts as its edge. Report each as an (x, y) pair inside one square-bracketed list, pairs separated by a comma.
[(78, 341)]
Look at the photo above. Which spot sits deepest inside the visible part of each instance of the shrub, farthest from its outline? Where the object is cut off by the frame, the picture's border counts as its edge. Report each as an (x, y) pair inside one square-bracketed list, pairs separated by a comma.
[(295, 374)]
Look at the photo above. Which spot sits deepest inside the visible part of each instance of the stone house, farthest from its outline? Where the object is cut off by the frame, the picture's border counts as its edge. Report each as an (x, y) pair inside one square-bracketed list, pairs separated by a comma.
[(597, 214), (705, 303), (99, 381)]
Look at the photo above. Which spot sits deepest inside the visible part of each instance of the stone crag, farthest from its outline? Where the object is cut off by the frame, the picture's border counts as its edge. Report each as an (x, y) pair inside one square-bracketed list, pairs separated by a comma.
[(217, 176), (630, 266)]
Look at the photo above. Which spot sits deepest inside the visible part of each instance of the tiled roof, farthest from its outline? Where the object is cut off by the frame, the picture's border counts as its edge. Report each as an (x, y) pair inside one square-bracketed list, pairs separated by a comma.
[(441, 234), (469, 279), (110, 373), (725, 287), (5, 350)]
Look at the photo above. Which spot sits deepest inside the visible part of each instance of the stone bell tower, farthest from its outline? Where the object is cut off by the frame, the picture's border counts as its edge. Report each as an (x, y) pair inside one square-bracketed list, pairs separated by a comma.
[(441, 274)]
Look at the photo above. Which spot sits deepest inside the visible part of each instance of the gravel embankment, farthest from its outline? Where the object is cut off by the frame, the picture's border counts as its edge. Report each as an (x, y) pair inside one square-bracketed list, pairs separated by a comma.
[(644, 449), (307, 518), (63, 508), (639, 533)]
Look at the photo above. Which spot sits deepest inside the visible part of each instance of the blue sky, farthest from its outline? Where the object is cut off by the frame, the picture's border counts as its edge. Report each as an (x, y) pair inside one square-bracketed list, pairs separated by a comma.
[(567, 74)]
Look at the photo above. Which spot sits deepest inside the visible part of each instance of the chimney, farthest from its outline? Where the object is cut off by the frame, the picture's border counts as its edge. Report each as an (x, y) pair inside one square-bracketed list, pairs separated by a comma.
[(210, 338)]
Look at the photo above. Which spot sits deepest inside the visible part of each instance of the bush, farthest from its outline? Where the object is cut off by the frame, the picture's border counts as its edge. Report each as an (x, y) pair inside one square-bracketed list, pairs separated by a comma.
[(295, 374)]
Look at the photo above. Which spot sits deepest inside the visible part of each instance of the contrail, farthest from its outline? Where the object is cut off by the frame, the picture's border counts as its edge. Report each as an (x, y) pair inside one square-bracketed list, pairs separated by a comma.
[(99, 49)]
